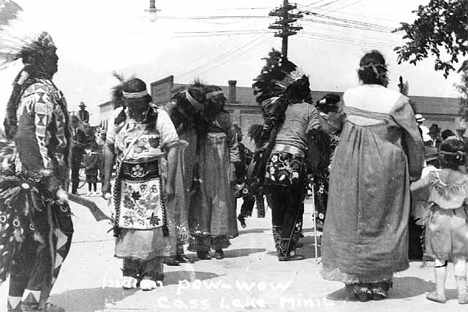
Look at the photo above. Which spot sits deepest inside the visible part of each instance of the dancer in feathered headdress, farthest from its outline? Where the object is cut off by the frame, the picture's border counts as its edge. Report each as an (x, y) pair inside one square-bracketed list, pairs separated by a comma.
[(284, 93), (35, 220)]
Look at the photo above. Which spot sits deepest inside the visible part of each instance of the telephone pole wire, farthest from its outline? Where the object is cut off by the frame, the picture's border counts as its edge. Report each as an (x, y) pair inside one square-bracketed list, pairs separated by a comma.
[(284, 24)]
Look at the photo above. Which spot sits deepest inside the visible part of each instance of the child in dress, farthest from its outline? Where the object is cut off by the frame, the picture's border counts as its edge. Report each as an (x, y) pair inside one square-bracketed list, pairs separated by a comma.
[(91, 162), (447, 230)]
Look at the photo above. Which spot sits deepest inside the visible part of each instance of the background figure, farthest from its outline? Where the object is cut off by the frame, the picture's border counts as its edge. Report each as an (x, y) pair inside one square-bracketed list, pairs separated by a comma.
[(423, 130), (321, 145), (101, 151), (460, 129), (142, 137), (83, 114), (89, 132), (91, 163), (242, 191), (434, 133), (419, 209), (365, 237), (447, 133), (212, 212), (77, 151), (39, 228), (446, 238)]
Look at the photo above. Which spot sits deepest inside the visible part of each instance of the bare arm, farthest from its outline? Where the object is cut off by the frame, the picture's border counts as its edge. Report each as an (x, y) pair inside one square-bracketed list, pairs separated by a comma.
[(171, 170), (421, 183)]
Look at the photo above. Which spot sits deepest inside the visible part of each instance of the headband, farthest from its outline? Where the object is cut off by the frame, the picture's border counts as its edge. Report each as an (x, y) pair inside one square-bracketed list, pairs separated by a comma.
[(213, 94), (134, 95), (458, 155), (380, 75), (192, 101)]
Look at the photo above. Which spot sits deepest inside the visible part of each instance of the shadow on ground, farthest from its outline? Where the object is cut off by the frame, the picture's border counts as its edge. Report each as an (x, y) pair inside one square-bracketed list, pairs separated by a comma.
[(231, 253), (403, 287), (253, 231), (308, 250), (242, 252), (90, 299), (99, 298)]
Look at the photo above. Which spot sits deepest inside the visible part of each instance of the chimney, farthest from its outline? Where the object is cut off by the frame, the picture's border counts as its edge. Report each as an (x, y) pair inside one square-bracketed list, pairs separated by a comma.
[(232, 91)]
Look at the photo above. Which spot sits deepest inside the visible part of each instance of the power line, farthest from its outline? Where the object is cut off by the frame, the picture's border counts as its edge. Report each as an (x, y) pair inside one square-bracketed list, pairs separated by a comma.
[(228, 9), (236, 56), (310, 4), (366, 16), (221, 57), (357, 41), (348, 25), (201, 33), (213, 17), (345, 41), (349, 21), (221, 34), (351, 34), (349, 39), (345, 6), (326, 4)]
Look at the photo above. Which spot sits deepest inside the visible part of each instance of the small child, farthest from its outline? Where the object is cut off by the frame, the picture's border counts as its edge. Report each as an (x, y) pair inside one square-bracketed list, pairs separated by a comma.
[(446, 228), (91, 162)]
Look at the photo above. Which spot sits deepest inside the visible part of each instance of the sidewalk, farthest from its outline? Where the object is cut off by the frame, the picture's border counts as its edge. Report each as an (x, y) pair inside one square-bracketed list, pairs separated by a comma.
[(250, 278)]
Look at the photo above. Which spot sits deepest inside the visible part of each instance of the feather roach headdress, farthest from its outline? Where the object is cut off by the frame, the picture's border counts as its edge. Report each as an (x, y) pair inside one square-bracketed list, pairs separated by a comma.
[(279, 84)]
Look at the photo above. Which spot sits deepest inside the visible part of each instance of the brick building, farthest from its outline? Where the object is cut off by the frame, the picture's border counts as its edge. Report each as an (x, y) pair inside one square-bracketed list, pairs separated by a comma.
[(246, 112)]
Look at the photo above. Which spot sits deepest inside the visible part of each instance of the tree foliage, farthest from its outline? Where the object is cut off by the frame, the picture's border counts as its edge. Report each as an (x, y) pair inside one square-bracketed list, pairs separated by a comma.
[(463, 89), (440, 29)]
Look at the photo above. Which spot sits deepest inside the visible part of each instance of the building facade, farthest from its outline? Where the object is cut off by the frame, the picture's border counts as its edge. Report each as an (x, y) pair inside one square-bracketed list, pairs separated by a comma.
[(245, 111)]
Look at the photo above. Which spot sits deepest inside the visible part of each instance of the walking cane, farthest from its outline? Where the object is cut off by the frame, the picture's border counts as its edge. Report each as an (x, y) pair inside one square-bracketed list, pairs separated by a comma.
[(314, 223)]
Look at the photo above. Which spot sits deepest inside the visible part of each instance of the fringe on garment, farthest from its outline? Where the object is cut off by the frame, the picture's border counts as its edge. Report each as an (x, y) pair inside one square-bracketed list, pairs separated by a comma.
[(338, 276)]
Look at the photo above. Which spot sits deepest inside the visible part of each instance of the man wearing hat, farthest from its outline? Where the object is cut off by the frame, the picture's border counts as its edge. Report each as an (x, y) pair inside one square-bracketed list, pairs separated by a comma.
[(83, 114), (434, 133), (423, 129)]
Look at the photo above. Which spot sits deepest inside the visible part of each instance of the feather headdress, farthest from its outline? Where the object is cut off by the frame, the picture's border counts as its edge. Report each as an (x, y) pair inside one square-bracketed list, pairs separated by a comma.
[(272, 89), (18, 36), (20, 39)]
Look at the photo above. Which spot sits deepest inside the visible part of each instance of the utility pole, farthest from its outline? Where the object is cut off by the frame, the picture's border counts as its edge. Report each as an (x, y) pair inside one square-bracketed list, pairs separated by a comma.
[(283, 24)]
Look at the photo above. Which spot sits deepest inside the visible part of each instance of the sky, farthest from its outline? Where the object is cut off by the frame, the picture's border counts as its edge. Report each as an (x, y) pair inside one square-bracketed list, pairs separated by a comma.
[(197, 39)]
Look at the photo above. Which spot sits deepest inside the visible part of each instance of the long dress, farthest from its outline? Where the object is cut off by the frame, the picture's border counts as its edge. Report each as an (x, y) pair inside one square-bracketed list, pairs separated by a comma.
[(147, 230), (365, 238), (186, 159), (212, 217)]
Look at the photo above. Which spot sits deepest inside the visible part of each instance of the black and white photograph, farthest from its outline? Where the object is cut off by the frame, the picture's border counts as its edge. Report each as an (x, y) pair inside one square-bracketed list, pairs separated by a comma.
[(267, 155)]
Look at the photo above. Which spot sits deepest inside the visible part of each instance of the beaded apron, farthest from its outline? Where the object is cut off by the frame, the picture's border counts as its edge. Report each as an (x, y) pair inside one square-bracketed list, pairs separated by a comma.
[(138, 202)]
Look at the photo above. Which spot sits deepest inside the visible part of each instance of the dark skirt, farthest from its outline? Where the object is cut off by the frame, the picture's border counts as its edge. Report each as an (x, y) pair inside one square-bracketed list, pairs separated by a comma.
[(91, 178)]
